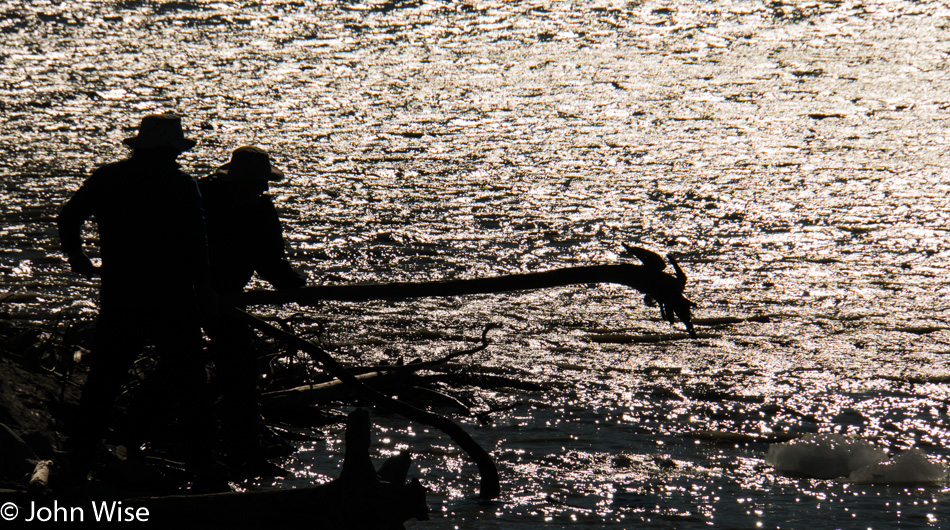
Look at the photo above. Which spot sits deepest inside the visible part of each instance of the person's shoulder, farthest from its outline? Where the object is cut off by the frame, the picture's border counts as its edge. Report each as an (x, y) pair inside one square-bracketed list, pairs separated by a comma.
[(111, 167), (107, 172)]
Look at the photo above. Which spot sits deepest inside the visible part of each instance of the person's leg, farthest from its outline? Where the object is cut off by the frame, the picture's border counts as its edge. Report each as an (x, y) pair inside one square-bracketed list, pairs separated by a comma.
[(118, 339), (237, 375), (177, 337)]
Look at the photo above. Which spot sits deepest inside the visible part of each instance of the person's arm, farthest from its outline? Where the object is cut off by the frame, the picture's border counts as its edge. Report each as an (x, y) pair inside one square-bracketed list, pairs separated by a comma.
[(70, 222), (271, 262)]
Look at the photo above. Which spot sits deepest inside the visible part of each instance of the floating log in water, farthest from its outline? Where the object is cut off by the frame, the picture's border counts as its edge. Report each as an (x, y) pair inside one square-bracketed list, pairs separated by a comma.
[(356, 499), (661, 287), (317, 392), (490, 487), (729, 438), (720, 321), (624, 338)]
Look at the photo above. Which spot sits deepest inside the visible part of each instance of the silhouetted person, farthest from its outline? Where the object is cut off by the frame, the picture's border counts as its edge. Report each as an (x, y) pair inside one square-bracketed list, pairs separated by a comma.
[(154, 275), (244, 237)]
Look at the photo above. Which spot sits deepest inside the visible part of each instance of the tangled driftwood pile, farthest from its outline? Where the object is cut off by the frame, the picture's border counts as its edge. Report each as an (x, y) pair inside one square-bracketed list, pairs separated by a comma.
[(359, 485)]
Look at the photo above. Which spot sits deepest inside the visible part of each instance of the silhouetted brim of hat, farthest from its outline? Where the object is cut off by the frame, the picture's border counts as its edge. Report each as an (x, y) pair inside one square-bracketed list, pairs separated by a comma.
[(248, 164), (160, 130)]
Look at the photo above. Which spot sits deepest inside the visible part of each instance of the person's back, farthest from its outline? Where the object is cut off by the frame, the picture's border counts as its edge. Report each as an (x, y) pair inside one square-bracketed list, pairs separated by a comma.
[(151, 235), (244, 231)]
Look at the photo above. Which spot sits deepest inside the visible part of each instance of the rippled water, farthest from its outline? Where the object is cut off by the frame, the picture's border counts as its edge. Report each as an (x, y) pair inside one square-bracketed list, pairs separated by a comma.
[(792, 155)]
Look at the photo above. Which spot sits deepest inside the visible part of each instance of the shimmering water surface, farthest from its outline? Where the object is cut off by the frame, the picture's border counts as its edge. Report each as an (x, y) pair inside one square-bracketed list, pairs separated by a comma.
[(792, 156)]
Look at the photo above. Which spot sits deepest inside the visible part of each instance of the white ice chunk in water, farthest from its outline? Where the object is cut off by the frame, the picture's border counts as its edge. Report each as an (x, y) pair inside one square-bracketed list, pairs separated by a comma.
[(823, 455), (832, 455), (909, 467)]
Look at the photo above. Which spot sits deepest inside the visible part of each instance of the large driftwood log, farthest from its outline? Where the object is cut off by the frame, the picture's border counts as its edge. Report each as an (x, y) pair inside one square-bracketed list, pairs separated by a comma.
[(356, 499), (650, 279), (490, 487)]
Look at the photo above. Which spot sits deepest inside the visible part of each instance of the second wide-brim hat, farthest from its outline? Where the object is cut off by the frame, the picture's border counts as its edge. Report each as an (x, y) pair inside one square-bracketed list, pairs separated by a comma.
[(160, 130), (249, 164)]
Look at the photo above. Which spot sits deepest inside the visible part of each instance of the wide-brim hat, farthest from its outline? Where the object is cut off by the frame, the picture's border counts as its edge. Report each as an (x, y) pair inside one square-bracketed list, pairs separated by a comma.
[(248, 164), (160, 130)]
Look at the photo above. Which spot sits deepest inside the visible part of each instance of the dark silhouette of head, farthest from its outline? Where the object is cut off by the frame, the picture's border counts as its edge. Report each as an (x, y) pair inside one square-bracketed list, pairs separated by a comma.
[(159, 136), (247, 175), (248, 164)]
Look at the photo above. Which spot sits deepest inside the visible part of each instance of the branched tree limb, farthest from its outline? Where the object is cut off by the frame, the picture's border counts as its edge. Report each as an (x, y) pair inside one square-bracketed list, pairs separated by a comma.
[(490, 484), (416, 366)]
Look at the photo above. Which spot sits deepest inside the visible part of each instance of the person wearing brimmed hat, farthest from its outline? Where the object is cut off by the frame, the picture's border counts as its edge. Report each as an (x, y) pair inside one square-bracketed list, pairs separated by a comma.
[(162, 132), (154, 272), (244, 236), (244, 231)]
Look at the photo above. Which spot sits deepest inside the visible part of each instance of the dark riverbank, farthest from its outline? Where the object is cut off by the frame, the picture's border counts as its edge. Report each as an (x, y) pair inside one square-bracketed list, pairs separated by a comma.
[(36, 395)]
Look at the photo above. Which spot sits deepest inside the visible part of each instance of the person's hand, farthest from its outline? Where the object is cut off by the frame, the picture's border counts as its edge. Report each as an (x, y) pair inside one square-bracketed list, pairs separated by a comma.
[(81, 264), (299, 281)]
